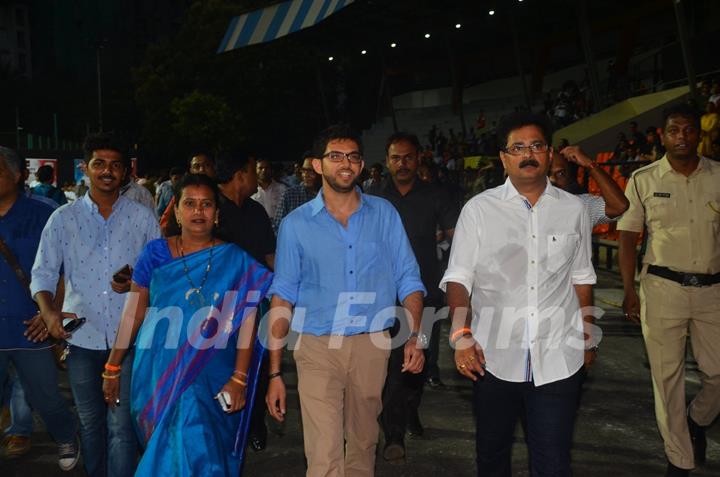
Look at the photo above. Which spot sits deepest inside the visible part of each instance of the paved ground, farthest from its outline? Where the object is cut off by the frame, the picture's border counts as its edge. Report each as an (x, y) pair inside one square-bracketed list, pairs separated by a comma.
[(615, 432)]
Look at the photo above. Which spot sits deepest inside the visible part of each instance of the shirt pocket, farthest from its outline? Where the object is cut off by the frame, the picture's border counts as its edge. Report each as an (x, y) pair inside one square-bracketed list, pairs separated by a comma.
[(561, 249), (660, 211), (711, 211)]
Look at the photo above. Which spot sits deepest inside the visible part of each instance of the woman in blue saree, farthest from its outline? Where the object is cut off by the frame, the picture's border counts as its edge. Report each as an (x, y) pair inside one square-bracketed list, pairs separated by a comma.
[(192, 319)]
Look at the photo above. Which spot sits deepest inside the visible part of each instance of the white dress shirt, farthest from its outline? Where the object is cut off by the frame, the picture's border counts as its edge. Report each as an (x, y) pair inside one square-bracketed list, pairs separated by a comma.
[(520, 262), (270, 198)]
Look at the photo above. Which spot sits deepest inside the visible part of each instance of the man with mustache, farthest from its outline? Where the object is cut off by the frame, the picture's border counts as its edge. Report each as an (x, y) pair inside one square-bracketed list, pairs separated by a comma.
[(522, 250), (677, 201), (424, 209), (90, 240), (343, 259)]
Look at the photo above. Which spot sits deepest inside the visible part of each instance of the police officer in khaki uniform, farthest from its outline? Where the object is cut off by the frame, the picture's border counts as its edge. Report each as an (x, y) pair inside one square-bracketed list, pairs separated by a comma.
[(678, 199)]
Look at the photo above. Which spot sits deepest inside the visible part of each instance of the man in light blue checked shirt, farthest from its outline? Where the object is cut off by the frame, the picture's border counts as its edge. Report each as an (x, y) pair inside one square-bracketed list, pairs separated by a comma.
[(342, 262), (90, 240)]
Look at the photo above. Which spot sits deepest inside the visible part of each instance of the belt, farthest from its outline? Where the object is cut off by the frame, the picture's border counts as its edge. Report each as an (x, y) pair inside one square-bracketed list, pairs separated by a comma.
[(685, 279)]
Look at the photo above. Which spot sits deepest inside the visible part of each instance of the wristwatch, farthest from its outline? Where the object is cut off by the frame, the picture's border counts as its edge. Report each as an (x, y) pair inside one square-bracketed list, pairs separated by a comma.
[(421, 337)]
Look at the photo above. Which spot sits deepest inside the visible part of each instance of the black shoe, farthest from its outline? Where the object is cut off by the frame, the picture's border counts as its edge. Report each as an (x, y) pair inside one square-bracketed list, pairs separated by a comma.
[(394, 450), (257, 443), (699, 442), (414, 426), (435, 383), (673, 471)]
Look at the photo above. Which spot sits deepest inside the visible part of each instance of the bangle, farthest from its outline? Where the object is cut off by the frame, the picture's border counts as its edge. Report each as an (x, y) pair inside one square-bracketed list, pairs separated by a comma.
[(239, 381), (110, 376), (593, 165), (112, 367), (274, 375), (240, 373), (457, 334)]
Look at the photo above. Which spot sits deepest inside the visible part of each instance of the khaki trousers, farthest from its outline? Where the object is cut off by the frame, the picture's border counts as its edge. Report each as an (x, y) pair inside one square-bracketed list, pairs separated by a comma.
[(340, 382), (669, 312)]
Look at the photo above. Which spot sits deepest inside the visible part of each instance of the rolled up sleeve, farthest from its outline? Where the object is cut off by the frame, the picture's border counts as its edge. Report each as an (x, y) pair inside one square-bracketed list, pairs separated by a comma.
[(288, 261), (582, 271), (464, 250), (49, 258)]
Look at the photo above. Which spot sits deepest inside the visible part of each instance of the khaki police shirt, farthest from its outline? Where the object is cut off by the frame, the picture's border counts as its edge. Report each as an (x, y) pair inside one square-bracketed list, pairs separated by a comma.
[(682, 215)]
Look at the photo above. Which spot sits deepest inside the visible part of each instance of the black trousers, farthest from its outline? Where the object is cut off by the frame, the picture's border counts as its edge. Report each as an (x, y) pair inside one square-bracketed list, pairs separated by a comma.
[(550, 414), (401, 395)]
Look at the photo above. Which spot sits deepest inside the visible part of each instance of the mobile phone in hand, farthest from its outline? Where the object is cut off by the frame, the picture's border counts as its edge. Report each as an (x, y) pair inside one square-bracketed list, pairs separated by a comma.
[(224, 400), (121, 276), (72, 324)]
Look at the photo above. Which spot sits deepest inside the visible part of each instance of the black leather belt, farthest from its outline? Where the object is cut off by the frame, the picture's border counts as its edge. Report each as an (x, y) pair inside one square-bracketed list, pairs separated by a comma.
[(685, 279)]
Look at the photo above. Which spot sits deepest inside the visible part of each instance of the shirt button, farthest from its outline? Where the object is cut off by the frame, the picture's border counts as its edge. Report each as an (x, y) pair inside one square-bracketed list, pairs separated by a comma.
[(692, 221), (105, 292), (351, 272), (534, 236), (350, 246), (532, 288), (691, 201), (532, 261)]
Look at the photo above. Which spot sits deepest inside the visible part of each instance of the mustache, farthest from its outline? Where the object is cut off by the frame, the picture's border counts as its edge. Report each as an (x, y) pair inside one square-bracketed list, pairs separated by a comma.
[(529, 162)]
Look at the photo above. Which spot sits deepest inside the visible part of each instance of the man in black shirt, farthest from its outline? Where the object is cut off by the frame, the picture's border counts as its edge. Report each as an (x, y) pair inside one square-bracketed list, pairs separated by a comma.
[(245, 223), (428, 215)]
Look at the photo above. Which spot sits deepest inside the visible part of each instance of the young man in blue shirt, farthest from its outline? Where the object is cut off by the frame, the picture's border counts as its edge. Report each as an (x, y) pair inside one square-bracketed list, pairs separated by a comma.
[(342, 261), (91, 239)]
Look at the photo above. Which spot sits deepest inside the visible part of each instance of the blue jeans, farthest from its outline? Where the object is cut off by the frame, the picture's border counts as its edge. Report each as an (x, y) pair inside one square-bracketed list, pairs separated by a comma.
[(550, 413), (38, 375), (108, 441), (20, 412)]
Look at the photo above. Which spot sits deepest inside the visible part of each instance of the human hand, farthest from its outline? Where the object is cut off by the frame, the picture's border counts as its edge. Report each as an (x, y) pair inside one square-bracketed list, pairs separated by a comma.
[(275, 399), (237, 393), (469, 358), (631, 306), (414, 357)]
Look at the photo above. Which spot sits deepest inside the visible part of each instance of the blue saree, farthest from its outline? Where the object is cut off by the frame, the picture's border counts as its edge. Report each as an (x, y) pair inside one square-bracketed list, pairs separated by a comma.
[(185, 352)]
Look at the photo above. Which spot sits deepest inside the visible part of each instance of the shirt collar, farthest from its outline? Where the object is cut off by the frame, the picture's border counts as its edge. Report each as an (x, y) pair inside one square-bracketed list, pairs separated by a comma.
[(664, 167), (92, 206), (318, 202), (509, 191)]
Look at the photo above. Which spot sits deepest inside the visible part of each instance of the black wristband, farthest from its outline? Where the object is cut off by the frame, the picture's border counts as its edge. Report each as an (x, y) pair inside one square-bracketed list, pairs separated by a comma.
[(274, 375)]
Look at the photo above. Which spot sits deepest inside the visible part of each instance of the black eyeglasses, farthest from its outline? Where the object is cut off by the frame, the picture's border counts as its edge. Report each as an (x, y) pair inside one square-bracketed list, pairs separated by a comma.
[(521, 149), (337, 156)]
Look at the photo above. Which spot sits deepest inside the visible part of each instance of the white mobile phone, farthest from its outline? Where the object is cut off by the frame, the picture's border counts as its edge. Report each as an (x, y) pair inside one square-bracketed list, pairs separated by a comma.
[(224, 400)]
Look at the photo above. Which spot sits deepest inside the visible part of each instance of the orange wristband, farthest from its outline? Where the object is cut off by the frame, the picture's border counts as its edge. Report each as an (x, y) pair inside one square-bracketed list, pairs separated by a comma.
[(113, 368), (457, 334)]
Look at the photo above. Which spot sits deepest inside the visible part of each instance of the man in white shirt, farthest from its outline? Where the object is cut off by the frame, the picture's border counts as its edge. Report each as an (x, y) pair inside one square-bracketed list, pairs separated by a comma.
[(523, 251), (270, 191)]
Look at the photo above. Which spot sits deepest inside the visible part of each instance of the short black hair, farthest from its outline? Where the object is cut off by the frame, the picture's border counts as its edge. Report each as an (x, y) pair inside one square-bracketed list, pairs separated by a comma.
[(228, 163), (189, 180), (334, 133), (199, 153), (513, 121), (402, 136), (307, 155), (45, 173), (106, 140), (681, 109), (377, 166), (177, 171)]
